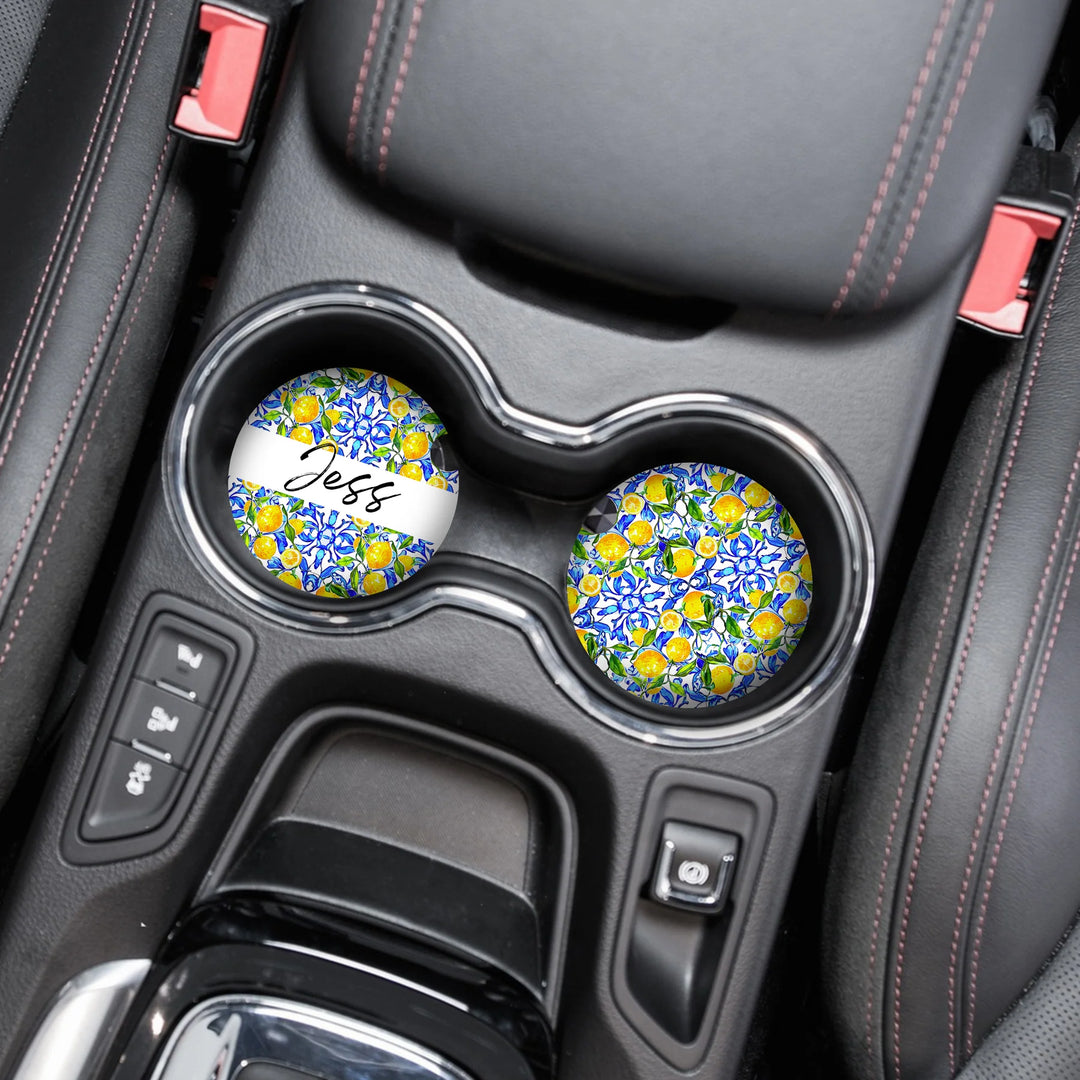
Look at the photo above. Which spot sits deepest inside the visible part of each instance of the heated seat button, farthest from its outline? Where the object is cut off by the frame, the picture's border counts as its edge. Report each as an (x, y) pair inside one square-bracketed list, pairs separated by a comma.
[(133, 794), (184, 660), (695, 867), (162, 720)]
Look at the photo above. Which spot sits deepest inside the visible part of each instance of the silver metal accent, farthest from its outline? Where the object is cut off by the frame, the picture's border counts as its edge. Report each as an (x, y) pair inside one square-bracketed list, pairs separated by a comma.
[(856, 536), (666, 892), (179, 691), (82, 1021), (219, 1037), (151, 751)]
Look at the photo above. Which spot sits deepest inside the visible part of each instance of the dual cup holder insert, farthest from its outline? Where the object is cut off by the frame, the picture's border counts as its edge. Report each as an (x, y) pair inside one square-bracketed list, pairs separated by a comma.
[(721, 574)]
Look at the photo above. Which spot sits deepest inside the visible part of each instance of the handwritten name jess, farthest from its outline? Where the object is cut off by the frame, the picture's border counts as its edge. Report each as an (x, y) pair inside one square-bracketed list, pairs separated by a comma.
[(332, 480)]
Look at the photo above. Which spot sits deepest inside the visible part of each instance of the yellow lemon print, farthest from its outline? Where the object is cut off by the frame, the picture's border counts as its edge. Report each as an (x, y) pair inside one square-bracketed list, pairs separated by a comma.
[(794, 611), (806, 572), (796, 532), (583, 638), (694, 606), (787, 582), (398, 387), (639, 532), (415, 445), (298, 525), (684, 562), (573, 598), (264, 548), (323, 591), (379, 555), (406, 563), (745, 663), (722, 676), (290, 579), (437, 481), (290, 557), (638, 635), (654, 489), (411, 471), (706, 547), (678, 649), (374, 583), (332, 416), (716, 480), (305, 409), (269, 519), (755, 495), (754, 597), (671, 620), (649, 663), (766, 625), (612, 547), (728, 508), (399, 408), (590, 584), (302, 435), (632, 504)]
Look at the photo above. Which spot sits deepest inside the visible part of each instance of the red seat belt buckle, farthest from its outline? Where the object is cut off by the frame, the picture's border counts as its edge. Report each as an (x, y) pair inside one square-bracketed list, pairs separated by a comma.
[(217, 105), (1004, 284)]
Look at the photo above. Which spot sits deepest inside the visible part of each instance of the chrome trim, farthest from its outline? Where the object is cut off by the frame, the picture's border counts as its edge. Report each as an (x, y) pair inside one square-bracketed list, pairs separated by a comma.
[(857, 535), (81, 1022), (219, 1037)]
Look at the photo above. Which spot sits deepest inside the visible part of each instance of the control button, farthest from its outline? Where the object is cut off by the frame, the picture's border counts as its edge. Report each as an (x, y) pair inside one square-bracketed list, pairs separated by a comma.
[(162, 720), (183, 661), (133, 794), (695, 867)]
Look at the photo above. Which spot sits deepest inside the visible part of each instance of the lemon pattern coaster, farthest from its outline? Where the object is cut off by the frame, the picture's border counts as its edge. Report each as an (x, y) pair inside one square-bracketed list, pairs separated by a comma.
[(689, 585), (342, 483)]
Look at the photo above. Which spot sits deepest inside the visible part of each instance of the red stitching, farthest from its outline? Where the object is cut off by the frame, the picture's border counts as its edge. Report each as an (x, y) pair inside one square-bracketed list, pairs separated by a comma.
[(362, 76), (86, 374), (399, 85), (939, 150), (999, 744), (1013, 784), (920, 835), (78, 239), (894, 157), (86, 443), (935, 652), (70, 204)]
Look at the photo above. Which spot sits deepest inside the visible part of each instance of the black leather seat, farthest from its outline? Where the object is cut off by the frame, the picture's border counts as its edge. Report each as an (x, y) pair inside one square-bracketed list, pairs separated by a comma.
[(956, 880), (97, 221)]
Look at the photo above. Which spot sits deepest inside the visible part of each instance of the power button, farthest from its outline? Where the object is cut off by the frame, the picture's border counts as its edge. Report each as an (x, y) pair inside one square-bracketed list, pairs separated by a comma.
[(695, 867)]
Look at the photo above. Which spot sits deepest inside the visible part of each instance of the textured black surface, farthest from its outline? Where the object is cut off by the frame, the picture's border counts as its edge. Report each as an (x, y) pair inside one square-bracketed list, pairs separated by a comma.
[(21, 22)]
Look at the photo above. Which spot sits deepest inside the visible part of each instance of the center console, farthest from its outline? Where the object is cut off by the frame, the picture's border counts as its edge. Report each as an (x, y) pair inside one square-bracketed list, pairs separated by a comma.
[(422, 820)]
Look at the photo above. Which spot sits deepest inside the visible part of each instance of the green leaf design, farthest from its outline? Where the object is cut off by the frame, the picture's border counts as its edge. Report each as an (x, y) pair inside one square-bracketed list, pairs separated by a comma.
[(290, 532), (732, 627), (615, 666), (429, 418), (649, 638), (738, 609), (706, 676), (638, 572), (617, 568), (785, 522), (354, 578), (399, 568), (656, 684), (591, 646), (694, 510), (669, 561), (708, 608), (670, 493), (755, 532), (281, 429), (579, 550), (323, 381), (728, 482), (764, 515), (649, 552), (766, 600), (688, 668)]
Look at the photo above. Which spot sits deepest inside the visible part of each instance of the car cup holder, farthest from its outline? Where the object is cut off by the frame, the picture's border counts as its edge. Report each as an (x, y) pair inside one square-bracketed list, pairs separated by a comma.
[(736, 640)]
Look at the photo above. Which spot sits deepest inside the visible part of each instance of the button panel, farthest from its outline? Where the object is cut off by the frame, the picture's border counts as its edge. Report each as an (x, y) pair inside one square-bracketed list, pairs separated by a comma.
[(175, 680), (133, 794), (183, 661), (161, 720)]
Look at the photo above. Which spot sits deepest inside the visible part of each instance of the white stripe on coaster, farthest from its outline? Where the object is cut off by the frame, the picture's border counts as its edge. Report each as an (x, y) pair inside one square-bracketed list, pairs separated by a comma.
[(321, 475)]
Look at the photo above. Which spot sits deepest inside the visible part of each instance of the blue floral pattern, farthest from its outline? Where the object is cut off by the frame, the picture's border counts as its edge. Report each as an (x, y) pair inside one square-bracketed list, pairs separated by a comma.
[(690, 585), (371, 419)]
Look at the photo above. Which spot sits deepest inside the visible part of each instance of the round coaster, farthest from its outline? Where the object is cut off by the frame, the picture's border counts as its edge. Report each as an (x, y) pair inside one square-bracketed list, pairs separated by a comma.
[(342, 483), (689, 585)]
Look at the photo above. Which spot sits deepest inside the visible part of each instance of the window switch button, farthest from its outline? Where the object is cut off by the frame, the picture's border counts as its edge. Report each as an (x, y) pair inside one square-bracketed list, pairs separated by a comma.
[(695, 867)]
